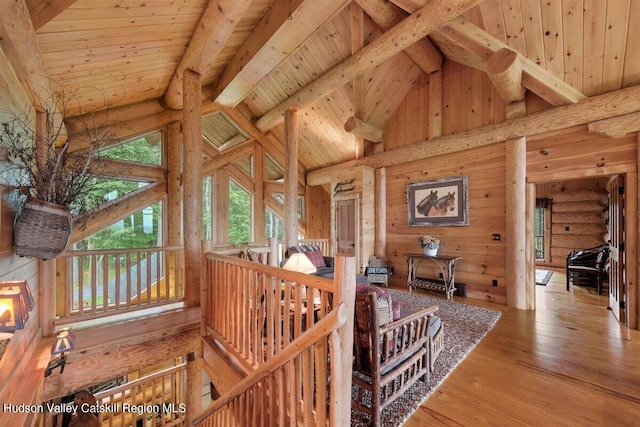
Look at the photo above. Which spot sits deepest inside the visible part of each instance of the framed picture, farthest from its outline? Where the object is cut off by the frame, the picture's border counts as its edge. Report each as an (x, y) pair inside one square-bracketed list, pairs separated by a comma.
[(439, 202)]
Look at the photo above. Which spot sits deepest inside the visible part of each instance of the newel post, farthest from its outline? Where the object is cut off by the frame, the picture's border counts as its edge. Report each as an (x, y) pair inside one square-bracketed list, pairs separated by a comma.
[(341, 342)]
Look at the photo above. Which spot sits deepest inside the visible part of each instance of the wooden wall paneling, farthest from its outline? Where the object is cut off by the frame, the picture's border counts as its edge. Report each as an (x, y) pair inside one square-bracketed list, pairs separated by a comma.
[(318, 210), (551, 13), (483, 259), (594, 29), (533, 34), (631, 75), (633, 242), (572, 19), (513, 25), (434, 105), (614, 44), (380, 228), (367, 217)]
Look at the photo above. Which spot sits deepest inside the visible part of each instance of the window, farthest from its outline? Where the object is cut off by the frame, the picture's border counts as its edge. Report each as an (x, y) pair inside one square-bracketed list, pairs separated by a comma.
[(542, 223), (274, 226), (239, 214)]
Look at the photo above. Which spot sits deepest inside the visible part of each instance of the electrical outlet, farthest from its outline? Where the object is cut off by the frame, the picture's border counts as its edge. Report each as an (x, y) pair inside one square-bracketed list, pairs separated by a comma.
[(495, 237), (495, 282)]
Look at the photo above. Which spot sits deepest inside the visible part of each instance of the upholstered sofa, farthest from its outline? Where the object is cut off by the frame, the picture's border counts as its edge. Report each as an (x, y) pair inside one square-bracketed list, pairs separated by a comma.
[(324, 264)]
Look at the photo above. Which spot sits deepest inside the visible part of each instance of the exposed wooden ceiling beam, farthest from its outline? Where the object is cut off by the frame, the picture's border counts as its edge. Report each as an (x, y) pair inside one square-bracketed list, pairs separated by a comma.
[(212, 31), (617, 127), (407, 32), (505, 71), (599, 107), (281, 31), (472, 46), (111, 212), (386, 15), (363, 129), (232, 155), (42, 11)]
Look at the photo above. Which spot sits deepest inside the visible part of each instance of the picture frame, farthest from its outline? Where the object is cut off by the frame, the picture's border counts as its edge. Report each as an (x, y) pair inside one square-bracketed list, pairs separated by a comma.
[(439, 202)]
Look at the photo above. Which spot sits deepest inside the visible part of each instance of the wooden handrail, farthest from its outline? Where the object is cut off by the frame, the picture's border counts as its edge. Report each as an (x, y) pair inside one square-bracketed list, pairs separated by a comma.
[(323, 328)]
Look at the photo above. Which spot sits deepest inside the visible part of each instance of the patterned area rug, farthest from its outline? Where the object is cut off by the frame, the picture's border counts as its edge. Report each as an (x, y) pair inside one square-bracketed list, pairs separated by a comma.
[(465, 326)]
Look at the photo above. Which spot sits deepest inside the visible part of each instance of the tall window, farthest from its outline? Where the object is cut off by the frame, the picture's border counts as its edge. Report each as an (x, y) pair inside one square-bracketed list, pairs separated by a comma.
[(274, 226), (239, 214), (541, 229)]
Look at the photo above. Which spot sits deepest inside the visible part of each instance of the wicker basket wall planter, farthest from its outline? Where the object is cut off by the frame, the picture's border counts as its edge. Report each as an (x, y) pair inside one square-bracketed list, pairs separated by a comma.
[(41, 230)]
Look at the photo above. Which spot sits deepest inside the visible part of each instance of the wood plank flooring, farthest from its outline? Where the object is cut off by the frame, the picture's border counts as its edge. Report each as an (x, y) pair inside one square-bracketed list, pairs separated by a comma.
[(569, 363)]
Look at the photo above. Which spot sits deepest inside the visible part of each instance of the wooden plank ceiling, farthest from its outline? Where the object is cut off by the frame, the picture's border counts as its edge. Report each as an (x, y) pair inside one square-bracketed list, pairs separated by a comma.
[(261, 52)]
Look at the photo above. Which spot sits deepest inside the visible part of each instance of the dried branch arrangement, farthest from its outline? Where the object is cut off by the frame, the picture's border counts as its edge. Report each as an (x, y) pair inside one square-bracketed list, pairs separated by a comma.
[(43, 168)]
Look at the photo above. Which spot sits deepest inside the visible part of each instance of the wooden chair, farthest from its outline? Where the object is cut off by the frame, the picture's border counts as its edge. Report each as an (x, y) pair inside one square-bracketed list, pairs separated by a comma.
[(587, 267), (389, 358)]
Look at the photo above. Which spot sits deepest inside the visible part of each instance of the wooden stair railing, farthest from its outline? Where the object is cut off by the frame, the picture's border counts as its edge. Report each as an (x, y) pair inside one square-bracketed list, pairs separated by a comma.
[(274, 376), (253, 315)]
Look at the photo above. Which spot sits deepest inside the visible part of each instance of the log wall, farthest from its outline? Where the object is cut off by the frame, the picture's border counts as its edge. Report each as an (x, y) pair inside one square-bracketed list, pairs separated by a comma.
[(576, 214)]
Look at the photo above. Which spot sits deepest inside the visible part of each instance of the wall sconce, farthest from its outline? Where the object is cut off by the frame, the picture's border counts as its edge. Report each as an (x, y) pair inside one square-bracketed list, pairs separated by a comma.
[(64, 342), (15, 303)]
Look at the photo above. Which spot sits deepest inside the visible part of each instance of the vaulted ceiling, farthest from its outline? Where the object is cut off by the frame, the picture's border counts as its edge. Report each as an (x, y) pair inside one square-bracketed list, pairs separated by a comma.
[(329, 59)]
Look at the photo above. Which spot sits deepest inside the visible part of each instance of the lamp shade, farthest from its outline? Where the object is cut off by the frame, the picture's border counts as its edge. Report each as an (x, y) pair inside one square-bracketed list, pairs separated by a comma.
[(13, 310), (23, 286), (63, 342), (300, 263)]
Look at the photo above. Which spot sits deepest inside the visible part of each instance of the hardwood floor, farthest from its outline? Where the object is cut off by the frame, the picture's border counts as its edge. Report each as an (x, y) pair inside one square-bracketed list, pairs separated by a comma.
[(569, 363)]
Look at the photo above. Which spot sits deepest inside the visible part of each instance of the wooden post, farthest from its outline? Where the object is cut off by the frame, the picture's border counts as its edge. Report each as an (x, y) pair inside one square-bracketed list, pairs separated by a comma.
[(193, 398), (291, 178), (516, 265), (380, 244), (174, 199), (192, 181), (46, 295), (341, 342)]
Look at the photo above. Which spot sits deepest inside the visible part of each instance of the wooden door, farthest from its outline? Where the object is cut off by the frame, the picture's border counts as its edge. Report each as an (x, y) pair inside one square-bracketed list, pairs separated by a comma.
[(346, 227), (616, 248)]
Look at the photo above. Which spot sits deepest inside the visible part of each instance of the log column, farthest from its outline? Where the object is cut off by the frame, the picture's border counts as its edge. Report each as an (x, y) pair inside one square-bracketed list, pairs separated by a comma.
[(516, 265), (174, 197), (194, 387), (192, 180), (291, 178)]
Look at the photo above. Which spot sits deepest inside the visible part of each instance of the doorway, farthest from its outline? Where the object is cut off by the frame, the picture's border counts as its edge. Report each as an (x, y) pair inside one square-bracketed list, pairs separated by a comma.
[(578, 215), (346, 227)]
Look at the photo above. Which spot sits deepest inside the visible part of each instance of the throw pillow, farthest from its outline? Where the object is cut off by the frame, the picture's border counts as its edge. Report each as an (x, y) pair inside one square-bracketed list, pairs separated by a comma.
[(316, 258)]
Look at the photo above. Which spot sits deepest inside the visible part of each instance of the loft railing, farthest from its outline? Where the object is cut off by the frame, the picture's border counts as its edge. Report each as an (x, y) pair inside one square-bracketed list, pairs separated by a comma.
[(153, 400), (99, 283), (291, 334)]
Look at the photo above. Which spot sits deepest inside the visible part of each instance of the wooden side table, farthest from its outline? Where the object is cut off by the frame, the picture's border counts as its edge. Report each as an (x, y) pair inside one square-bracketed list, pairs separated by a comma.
[(447, 265)]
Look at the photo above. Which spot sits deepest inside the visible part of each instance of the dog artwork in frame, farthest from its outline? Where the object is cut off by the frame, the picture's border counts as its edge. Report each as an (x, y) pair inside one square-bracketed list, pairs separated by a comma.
[(438, 202)]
